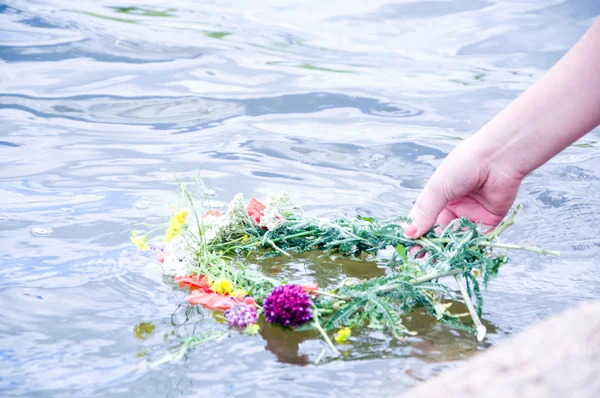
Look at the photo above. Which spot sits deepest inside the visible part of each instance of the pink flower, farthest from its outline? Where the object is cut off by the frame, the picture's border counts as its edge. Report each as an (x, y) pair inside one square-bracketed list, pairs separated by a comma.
[(212, 212), (256, 210)]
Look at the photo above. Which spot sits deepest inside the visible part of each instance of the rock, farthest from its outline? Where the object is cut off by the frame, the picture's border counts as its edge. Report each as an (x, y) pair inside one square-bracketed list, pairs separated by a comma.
[(556, 358)]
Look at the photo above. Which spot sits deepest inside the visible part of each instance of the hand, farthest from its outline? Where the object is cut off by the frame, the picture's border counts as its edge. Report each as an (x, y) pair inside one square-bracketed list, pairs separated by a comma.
[(480, 179), (469, 183)]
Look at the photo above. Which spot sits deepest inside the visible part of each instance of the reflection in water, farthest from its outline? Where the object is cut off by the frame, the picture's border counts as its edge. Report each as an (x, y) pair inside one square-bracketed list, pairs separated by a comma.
[(285, 345), (161, 113), (105, 106), (192, 113), (143, 330)]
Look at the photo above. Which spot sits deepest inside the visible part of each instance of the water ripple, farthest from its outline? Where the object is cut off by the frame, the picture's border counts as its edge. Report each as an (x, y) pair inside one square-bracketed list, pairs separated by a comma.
[(105, 107)]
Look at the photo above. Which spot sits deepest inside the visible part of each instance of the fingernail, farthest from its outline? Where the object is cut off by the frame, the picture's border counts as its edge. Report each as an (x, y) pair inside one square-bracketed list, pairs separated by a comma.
[(411, 231)]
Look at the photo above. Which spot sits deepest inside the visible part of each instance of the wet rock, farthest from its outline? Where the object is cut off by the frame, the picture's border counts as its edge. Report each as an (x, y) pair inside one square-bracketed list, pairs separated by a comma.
[(559, 357)]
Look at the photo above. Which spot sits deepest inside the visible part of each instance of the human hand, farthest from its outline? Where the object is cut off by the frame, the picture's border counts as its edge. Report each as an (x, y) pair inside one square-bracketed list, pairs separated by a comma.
[(479, 180), (469, 183)]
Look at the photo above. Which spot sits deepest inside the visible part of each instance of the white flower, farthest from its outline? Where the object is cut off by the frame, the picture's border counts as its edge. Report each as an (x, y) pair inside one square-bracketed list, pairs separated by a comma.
[(178, 257), (279, 208)]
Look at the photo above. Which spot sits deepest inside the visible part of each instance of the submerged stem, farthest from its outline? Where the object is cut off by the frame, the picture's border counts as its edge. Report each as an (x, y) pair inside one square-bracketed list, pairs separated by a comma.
[(320, 356), (481, 330), (323, 333)]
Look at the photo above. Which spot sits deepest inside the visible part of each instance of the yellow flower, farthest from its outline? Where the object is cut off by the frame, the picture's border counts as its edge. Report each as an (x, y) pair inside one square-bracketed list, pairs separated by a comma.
[(342, 335), (176, 222), (239, 293), (252, 329), (221, 286), (139, 241), (172, 233), (178, 218)]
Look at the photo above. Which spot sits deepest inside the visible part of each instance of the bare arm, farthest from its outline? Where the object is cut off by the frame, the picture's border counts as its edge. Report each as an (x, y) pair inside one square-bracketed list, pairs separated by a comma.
[(481, 177), (559, 109)]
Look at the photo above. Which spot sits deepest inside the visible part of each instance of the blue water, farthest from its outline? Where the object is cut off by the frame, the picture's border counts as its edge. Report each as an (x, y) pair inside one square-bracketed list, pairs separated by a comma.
[(347, 105)]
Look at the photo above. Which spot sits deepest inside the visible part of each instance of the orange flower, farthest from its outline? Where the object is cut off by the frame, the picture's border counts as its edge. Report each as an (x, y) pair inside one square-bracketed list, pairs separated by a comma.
[(216, 302), (194, 282)]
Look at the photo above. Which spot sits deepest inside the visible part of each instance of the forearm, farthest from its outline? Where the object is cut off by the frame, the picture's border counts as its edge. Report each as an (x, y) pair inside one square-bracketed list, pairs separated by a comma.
[(559, 109)]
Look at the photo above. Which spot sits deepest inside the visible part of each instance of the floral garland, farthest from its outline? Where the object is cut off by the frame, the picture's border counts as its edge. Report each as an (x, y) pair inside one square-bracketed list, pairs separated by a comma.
[(206, 255)]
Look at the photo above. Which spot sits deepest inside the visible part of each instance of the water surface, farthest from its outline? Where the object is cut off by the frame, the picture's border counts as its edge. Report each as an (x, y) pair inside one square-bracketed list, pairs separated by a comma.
[(348, 105)]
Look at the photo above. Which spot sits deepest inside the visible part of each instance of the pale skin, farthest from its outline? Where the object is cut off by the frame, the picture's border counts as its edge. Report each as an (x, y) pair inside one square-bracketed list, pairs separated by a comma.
[(480, 178)]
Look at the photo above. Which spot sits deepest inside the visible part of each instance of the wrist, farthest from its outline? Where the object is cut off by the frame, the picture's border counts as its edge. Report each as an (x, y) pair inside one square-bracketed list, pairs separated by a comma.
[(501, 151)]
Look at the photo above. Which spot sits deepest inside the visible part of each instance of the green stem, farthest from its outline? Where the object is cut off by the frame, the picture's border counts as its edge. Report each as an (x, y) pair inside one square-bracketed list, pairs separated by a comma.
[(250, 245), (320, 356), (429, 242), (481, 330), (421, 279), (322, 331), (435, 275), (228, 243), (274, 246), (505, 224), (298, 235), (338, 242), (520, 247)]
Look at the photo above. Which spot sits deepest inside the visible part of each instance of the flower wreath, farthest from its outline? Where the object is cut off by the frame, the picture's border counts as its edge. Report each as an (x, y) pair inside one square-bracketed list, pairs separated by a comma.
[(206, 255)]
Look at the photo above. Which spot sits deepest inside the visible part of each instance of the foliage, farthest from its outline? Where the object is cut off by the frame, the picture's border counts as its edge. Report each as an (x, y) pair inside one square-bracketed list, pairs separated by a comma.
[(216, 246)]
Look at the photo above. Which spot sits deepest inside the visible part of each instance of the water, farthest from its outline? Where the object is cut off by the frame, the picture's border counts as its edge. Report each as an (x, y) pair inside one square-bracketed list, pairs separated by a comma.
[(347, 105)]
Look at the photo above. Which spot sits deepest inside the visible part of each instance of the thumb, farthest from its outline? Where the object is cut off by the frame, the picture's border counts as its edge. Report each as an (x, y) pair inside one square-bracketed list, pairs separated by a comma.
[(426, 210)]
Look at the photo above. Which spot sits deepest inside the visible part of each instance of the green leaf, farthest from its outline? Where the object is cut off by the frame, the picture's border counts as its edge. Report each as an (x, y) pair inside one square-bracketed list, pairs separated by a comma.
[(217, 35), (145, 12), (101, 16), (401, 250), (342, 317), (385, 309), (318, 68)]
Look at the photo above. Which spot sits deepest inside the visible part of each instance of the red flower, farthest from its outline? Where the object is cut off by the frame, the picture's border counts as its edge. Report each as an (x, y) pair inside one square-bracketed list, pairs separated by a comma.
[(195, 282), (213, 212), (311, 288), (256, 210), (217, 302)]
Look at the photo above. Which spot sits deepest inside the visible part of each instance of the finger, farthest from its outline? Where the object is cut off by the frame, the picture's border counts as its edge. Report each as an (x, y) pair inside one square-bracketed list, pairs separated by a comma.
[(445, 217), (475, 211), (454, 211), (426, 210), (414, 250)]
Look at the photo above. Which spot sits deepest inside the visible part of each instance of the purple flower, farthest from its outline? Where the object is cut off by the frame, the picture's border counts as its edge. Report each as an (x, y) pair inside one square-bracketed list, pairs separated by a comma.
[(241, 315), (288, 305)]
